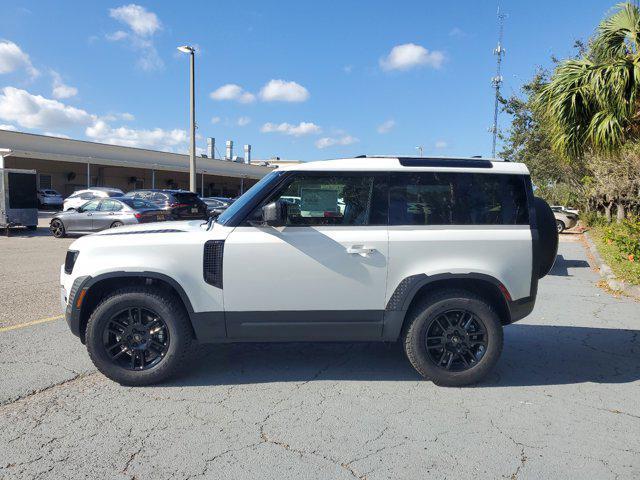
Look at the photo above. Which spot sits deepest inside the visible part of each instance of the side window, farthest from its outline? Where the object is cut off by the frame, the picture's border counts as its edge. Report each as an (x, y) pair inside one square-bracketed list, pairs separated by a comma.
[(434, 198), (87, 196), (110, 206), (340, 200), (91, 206), (158, 198)]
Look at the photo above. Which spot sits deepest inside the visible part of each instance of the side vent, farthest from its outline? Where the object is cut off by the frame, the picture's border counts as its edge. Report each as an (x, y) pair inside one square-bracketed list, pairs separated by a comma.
[(212, 262)]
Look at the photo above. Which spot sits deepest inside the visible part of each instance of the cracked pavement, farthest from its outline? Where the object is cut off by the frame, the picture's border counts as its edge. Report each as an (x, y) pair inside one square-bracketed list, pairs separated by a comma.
[(562, 403)]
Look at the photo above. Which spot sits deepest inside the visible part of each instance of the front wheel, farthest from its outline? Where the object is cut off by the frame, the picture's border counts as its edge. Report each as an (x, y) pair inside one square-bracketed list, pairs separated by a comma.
[(560, 226), (138, 336), (57, 228), (116, 224), (453, 337)]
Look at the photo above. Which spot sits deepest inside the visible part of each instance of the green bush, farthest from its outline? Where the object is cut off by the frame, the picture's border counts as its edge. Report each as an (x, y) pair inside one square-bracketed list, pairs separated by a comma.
[(593, 219), (626, 237)]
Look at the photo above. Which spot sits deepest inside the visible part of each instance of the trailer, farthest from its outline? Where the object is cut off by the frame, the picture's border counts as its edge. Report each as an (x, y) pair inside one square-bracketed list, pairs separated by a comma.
[(18, 199)]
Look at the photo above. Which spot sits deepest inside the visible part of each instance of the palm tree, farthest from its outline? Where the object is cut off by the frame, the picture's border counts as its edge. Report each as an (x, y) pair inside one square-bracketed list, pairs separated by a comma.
[(591, 103)]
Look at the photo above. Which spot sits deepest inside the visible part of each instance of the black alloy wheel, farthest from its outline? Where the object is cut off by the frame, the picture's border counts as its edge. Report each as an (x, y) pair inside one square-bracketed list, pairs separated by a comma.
[(136, 338), (456, 340), (57, 228)]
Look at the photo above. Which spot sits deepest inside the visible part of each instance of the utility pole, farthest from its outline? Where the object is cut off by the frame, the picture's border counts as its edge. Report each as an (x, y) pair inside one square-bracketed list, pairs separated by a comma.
[(496, 81), (192, 142), (420, 149)]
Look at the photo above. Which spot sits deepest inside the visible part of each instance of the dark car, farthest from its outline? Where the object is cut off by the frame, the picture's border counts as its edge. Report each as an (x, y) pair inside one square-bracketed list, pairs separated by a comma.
[(217, 205), (100, 214), (177, 204)]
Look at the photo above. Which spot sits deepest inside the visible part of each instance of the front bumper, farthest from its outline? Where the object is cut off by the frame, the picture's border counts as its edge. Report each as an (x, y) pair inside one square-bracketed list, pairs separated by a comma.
[(73, 310)]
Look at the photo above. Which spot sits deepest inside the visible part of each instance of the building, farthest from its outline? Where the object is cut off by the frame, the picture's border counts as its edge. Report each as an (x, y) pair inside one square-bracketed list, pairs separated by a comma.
[(275, 162), (68, 165)]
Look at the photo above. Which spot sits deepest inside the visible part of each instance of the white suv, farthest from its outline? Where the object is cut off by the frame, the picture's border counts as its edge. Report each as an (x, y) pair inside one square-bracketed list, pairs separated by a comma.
[(438, 253)]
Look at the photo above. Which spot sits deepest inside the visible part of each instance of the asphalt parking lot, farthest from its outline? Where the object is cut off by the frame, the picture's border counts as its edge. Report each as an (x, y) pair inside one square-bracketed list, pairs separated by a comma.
[(562, 403)]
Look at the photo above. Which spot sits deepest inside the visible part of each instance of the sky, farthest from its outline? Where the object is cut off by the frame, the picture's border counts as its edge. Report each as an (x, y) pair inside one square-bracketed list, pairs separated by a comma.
[(301, 80)]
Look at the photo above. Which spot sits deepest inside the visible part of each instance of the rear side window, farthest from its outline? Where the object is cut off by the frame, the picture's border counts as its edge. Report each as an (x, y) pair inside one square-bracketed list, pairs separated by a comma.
[(110, 206), (435, 198), (115, 194)]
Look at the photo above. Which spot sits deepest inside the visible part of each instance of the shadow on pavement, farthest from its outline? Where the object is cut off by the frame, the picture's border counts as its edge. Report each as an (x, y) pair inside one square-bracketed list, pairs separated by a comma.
[(533, 355), (561, 266)]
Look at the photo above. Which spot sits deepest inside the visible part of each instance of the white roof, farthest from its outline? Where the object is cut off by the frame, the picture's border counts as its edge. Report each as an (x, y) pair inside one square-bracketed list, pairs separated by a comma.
[(386, 164), (29, 145)]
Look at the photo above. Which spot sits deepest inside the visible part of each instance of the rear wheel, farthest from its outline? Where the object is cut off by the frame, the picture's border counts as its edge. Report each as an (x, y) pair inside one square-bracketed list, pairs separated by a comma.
[(116, 224), (138, 336), (57, 228), (560, 226), (454, 338)]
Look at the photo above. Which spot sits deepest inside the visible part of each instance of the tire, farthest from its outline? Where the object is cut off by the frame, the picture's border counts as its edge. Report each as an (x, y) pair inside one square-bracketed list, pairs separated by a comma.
[(430, 315), (116, 224), (560, 226), (177, 336), (57, 228), (547, 244)]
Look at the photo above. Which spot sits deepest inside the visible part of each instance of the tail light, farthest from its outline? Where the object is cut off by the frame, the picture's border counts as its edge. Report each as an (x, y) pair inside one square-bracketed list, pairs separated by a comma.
[(178, 205), (138, 215)]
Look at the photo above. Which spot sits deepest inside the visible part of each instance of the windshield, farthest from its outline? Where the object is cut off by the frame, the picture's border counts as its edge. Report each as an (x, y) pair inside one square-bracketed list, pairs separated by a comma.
[(247, 197), (115, 194)]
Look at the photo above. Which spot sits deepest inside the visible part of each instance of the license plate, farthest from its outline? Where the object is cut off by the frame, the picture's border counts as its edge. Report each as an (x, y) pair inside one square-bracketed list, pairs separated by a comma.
[(160, 217), (194, 210)]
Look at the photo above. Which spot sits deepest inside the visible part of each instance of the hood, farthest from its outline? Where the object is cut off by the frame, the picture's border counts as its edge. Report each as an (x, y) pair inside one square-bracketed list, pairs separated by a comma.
[(158, 227)]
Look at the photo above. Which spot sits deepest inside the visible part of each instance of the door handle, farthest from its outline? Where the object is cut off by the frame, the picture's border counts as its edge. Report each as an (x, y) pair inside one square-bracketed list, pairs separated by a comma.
[(360, 250)]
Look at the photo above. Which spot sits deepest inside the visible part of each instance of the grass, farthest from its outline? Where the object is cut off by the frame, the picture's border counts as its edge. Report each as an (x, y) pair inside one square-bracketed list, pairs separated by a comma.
[(623, 268)]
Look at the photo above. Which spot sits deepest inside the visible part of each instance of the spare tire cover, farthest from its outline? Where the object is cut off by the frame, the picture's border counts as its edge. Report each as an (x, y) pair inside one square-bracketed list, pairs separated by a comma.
[(547, 237)]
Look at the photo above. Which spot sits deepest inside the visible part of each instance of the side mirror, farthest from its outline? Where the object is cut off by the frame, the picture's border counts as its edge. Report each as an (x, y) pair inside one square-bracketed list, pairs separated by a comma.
[(274, 213)]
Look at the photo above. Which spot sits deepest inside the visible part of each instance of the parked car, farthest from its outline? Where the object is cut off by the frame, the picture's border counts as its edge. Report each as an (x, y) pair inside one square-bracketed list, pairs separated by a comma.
[(177, 204), (566, 209), (80, 197), (217, 205), (48, 197), (565, 218), (444, 279), (100, 214)]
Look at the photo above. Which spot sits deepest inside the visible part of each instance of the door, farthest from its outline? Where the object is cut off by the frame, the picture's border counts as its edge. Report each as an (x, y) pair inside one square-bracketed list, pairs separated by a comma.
[(82, 221), (106, 214), (321, 275)]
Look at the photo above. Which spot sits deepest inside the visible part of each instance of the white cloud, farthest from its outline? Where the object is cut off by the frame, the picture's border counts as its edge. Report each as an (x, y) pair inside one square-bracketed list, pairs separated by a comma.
[(116, 36), (347, 69), (127, 117), (303, 128), (11, 128), (386, 127), (36, 111), (156, 138), (283, 91), (243, 121), (440, 144), (410, 55), (215, 120), (59, 89), (143, 25), (457, 33), (326, 142), (231, 91), (13, 58), (139, 19)]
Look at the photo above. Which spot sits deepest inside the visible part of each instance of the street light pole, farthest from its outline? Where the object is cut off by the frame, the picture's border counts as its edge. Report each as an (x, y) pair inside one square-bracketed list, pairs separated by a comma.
[(192, 94)]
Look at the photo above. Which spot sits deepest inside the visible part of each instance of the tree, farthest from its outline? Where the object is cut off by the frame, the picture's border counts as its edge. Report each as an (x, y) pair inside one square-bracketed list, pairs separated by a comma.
[(591, 102), (528, 141)]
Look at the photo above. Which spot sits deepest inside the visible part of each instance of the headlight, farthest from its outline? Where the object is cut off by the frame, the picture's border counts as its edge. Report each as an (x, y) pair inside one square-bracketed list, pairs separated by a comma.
[(70, 261)]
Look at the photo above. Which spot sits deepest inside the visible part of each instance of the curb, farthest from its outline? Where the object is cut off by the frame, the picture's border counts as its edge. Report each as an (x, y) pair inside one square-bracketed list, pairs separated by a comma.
[(607, 274)]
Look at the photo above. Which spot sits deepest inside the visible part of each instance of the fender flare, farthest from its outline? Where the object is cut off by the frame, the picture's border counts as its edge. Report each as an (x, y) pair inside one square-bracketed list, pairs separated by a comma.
[(146, 274)]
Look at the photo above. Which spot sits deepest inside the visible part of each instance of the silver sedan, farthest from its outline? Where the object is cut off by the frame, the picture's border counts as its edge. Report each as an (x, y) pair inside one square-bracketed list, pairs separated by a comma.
[(101, 214)]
